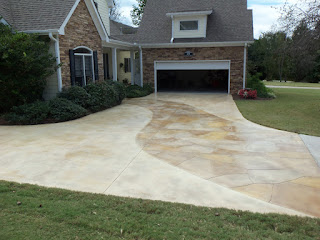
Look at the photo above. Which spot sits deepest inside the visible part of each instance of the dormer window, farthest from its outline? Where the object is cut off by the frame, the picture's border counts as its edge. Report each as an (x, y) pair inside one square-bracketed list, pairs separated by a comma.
[(189, 25)]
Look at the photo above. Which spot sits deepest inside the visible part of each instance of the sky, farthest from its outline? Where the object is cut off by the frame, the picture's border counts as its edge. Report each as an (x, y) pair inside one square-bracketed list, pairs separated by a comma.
[(265, 13)]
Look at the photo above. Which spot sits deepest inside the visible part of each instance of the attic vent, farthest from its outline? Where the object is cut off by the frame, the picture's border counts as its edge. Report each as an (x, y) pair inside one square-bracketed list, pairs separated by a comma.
[(188, 54)]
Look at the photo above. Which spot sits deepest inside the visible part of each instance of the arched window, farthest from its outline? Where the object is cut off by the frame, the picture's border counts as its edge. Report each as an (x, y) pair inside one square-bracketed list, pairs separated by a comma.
[(83, 66)]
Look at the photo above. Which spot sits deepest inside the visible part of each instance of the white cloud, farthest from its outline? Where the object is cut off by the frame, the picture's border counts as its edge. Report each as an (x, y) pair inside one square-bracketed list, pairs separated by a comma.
[(264, 18)]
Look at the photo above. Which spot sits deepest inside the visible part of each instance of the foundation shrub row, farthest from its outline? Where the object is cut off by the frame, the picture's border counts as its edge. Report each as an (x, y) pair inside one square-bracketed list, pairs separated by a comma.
[(72, 103), (135, 91)]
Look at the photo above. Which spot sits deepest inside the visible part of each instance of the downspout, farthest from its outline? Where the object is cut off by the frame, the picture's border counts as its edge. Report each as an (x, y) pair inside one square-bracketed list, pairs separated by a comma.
[(57, 52), (172, 38), (245, 65), (141, 67)]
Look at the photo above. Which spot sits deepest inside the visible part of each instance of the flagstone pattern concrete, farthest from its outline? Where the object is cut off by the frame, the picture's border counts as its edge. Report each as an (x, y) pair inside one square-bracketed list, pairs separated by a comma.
[(189, 148), (268, 164)]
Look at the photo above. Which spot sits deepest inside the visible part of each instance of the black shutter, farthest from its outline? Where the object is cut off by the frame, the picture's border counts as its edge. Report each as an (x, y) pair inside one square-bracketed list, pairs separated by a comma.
[(106, 66), (72, 67), (96, 66)]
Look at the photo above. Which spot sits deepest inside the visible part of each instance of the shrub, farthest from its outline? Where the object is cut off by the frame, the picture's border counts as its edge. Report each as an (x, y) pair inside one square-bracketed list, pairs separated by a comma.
[(77, 95), (135, 91), (255, 83), (32, 113), (102, 96), (25, 64), (248, 94), (120, 90), (62, 109), (148, 87)]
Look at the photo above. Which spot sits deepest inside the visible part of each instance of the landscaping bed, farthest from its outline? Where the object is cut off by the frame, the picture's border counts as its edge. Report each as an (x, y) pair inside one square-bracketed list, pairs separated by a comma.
[(33, 212)]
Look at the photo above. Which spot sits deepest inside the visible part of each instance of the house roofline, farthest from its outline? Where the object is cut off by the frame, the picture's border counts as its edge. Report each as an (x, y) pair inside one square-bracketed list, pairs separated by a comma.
[(2, 20), (120, 44), (196, 44)]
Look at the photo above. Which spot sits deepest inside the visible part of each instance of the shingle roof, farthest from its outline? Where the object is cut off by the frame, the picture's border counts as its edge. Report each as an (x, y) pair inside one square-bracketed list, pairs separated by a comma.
[(118, 28), (230, 20), (26, 15)]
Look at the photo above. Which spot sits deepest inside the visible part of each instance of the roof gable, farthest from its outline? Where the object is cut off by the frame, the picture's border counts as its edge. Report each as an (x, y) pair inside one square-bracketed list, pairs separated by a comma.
[(230, 20), (46, 16)]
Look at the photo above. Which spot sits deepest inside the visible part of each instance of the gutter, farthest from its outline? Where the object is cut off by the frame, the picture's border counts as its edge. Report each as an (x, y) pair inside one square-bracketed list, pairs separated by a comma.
[(57, 53), (42, 32), (196, 44), (181, 45)]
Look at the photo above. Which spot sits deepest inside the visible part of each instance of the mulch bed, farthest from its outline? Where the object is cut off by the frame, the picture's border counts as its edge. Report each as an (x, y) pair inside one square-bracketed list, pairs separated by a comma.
[(237, 97)]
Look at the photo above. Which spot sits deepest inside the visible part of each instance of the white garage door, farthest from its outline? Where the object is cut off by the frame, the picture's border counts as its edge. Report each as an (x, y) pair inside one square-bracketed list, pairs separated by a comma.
[(191, 65)]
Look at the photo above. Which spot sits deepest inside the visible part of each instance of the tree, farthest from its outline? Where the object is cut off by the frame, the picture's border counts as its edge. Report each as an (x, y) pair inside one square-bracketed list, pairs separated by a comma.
[(25, 64), (302, 21), (115, 13), (137, 12), (269, 56)]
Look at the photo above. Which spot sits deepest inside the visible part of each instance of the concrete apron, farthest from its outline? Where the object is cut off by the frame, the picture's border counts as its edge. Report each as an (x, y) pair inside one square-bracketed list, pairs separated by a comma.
[(188, 148)]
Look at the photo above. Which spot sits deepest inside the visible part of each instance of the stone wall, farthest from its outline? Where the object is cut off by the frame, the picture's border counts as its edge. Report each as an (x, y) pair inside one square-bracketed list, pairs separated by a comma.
[(235, 54), (80, 31)]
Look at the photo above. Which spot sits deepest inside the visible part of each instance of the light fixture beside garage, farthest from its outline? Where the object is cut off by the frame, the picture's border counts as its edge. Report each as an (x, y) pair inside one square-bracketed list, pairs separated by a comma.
[(189, 54)]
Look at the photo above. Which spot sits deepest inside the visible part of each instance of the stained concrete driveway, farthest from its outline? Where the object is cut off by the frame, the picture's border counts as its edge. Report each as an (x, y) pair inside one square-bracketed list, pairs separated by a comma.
[(189, 148)]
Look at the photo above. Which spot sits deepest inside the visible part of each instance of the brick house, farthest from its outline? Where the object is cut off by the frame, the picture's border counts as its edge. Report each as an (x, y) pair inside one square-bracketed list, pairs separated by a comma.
[(180, 45)]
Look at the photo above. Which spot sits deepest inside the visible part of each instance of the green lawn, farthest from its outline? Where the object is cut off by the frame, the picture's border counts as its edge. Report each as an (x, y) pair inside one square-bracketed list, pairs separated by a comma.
[(71, 215), (294, 110), (292, 84)]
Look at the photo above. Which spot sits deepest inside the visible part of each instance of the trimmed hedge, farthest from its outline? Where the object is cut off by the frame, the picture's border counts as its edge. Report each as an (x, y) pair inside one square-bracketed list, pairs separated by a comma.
[(135, 91), (77, 95), (102, 96), (62, 110), (70, 104), (120, 90), (30, 114)]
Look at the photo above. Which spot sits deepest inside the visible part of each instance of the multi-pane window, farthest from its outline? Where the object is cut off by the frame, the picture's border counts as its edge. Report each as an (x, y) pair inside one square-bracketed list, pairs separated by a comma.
[(189, 25), (83, 65)]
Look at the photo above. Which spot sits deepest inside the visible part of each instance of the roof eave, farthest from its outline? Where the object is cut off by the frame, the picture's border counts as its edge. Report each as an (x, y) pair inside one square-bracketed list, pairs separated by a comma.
[(194, 13)]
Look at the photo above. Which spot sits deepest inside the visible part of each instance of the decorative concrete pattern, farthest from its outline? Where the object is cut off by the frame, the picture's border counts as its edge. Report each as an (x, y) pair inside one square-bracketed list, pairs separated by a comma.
[(231, 152), (188, 148)]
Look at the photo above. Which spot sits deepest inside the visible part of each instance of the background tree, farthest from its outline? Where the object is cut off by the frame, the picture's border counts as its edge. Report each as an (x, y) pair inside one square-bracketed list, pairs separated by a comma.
[(137, 12), (25, 64), (115, 13), (269, 56), (292, 53)]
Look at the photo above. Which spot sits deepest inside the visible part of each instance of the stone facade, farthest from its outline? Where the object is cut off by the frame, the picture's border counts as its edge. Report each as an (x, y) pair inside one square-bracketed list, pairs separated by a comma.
[(235, 54), (80, 31)]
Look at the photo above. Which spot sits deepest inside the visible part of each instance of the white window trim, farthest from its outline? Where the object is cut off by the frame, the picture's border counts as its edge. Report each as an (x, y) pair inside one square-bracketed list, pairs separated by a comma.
[(195, 20), (84, 63)]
